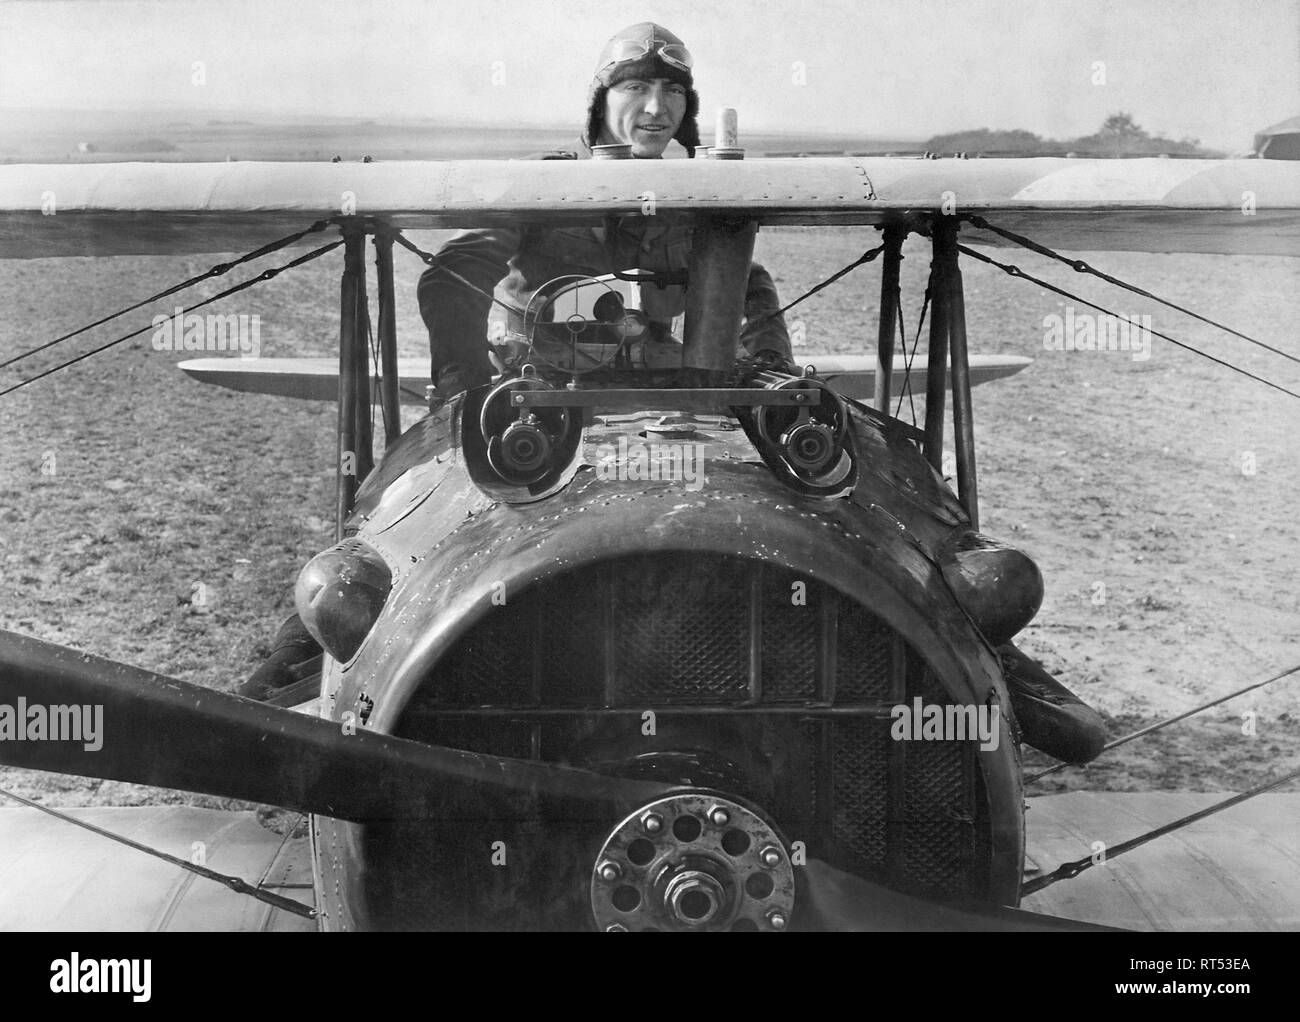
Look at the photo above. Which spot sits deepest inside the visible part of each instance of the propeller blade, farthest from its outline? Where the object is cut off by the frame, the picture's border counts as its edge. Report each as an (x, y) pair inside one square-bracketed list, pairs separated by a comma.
[(832, 900), (151, 729)]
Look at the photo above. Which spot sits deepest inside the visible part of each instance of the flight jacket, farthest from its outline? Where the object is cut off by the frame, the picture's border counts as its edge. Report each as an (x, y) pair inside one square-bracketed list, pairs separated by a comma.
[(517, 261)]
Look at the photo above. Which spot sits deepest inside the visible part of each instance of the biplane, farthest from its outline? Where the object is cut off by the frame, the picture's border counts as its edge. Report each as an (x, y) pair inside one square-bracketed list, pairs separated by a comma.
[(560, 693)]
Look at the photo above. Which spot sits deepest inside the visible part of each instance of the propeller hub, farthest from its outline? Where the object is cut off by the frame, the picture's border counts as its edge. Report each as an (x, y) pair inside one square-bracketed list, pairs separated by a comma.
[(692, 861)]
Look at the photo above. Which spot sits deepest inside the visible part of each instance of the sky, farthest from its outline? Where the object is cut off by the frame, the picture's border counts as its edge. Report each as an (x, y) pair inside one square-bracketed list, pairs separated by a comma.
[(1213, 70)]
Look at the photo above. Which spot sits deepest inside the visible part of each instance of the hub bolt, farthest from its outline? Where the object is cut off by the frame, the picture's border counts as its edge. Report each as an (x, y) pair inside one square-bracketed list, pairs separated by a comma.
[(719, 816), (694, 897), (652, 823), (771, 857), (610, 871), (616, 928), (776, 920)]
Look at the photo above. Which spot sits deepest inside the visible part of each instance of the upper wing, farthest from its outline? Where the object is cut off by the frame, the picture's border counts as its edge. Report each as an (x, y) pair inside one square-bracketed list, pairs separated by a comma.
[(1159, 205), (56, 876)]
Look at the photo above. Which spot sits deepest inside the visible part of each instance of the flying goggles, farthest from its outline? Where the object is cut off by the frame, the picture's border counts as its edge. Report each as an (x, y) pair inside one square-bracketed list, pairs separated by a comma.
[(624, 50)]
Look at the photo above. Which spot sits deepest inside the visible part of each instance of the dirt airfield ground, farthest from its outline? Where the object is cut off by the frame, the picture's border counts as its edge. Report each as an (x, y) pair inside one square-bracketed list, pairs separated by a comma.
[(1157, 496)]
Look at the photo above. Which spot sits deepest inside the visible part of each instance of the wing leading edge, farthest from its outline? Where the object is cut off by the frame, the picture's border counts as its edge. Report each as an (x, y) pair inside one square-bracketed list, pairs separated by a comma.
[(1217, 206)]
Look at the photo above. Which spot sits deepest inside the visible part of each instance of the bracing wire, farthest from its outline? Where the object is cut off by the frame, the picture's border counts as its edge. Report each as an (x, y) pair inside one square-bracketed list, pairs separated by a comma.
[(265, 275), (214, 271)]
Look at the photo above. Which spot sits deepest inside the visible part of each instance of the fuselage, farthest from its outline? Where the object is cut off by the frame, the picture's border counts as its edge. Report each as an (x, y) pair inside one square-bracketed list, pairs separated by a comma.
[(692, 495)]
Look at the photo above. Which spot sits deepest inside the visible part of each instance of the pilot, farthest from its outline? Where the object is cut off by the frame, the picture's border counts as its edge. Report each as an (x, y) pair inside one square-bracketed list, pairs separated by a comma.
[(642, 96)]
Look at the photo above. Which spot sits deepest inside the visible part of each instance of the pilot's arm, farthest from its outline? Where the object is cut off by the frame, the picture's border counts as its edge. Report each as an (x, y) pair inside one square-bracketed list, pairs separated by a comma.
[(762, 331), (457, 315)]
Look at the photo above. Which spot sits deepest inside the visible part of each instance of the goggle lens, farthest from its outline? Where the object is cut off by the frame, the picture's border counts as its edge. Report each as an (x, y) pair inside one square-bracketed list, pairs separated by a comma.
[(676, 54), (633, 49)]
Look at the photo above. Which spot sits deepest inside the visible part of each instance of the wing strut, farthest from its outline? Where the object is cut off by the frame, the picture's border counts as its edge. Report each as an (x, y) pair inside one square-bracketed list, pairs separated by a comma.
[(948, 330), (390, 377), (355, 453), (937, 364), (889, 302)]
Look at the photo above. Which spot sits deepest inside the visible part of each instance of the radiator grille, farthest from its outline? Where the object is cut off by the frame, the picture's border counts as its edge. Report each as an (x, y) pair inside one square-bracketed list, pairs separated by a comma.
[(860, 772), (684, 635), (683, 631)]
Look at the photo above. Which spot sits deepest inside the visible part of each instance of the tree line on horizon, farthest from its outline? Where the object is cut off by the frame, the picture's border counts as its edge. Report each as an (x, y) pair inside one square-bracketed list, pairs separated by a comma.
[(1119, 136)]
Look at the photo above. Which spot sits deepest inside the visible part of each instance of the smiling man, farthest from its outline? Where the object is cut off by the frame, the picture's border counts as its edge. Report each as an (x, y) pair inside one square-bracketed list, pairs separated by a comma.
[(642, 96), (644, 113)]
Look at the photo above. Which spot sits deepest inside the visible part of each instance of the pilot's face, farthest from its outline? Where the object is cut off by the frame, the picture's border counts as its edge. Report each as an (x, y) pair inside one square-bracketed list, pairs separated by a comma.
[(644, 113)]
